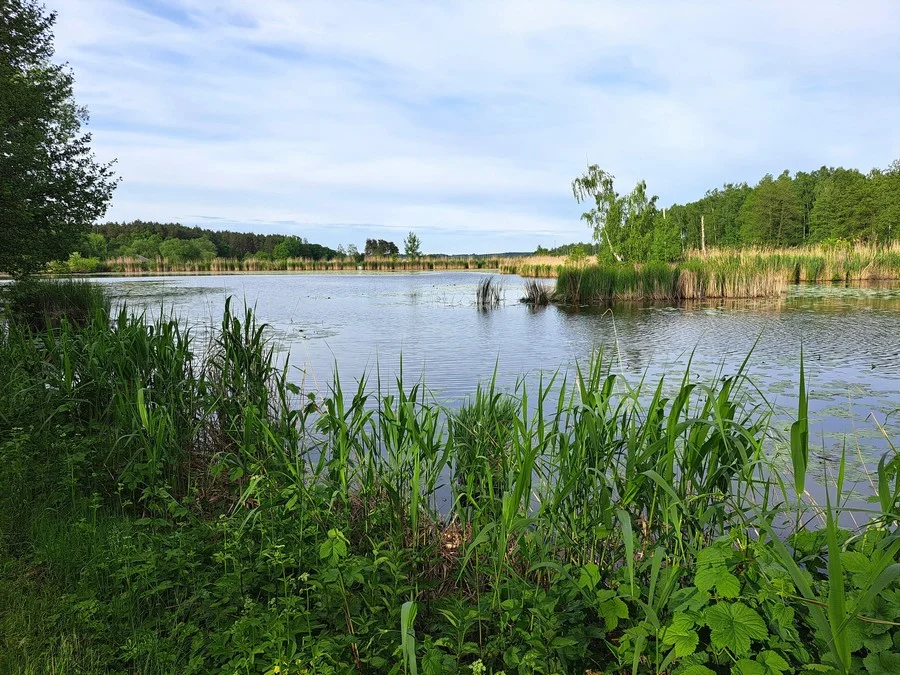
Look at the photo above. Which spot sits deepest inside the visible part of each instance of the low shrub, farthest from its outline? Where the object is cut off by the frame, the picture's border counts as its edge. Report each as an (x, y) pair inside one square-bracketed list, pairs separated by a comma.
[(42, 303)]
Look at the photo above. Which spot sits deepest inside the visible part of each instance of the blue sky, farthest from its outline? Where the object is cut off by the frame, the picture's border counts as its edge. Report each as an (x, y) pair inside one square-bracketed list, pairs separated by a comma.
[(467, 121)]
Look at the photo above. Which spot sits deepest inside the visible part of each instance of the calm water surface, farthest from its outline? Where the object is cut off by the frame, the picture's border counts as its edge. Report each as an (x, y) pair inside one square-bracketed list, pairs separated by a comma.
[(364, 321)]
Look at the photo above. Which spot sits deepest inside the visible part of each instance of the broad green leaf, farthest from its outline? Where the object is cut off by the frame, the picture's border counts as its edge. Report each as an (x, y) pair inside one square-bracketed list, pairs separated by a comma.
[(879, 643), (682, 635), (696, 670), (711, 556), (748, 667), (612, 610), (783, 615), (883, 663), (726, 584), (733, 626), (855, 562), (773, 662), (589, 577)]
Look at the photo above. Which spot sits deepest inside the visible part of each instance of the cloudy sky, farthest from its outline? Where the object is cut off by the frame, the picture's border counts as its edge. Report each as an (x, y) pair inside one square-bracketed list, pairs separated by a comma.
[(466, 121)]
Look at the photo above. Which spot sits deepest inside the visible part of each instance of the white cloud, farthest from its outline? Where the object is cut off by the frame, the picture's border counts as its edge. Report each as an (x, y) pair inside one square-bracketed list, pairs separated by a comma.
[(468, 116)]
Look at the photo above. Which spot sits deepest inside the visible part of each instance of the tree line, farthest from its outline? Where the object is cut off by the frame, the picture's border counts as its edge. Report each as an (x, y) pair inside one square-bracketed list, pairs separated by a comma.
[(821, 206), (178, 242)]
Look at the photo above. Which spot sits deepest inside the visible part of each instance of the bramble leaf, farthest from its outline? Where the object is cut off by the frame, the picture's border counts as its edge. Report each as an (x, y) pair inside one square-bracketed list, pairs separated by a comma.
[(682, 635), (712, 572), (733, 626), (589, 577), (748, 667), (773, 662), (725, 583), (696, 670), (883, 663)]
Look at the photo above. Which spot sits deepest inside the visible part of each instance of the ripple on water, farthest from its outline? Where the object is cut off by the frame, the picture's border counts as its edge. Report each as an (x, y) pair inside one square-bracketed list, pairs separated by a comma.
[(366, 321)]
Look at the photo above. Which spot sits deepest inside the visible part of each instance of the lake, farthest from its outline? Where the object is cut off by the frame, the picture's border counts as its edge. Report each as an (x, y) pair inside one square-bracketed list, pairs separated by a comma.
[(364, 322)]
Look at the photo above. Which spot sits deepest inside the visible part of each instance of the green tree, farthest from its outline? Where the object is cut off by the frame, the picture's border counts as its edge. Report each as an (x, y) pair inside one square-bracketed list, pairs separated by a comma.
[(187, 250), (844, 208), (771, 214), (51, 186), (807, 183), (148, 247), (639, 215), (381, 248), (605, 217), (290, 247), (94, 246), (666, 243), (721, 208), (886, 201), (412, 245)]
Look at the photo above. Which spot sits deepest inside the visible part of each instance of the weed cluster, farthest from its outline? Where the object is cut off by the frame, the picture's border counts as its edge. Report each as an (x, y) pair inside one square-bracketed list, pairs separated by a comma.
[(171, 504), (488, 293), (537, 293), (43, 303)]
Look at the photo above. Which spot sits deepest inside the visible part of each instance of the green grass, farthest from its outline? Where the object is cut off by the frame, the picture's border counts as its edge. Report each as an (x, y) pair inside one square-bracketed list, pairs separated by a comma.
[(40, 303), (175, 505)]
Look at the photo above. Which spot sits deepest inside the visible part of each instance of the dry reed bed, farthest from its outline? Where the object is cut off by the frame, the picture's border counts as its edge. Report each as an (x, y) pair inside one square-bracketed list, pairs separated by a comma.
[(661, 282), (813, 264), (234, 265)]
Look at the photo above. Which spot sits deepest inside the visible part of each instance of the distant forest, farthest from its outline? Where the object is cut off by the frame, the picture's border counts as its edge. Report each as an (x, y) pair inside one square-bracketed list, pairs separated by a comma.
[(821, 206), (177, 242)]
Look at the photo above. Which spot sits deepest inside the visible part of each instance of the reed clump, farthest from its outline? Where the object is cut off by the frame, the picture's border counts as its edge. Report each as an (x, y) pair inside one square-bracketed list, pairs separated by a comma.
[(663, 282), (836, 262), (538, 267), (537, 293), (488, 293), (172, 502)]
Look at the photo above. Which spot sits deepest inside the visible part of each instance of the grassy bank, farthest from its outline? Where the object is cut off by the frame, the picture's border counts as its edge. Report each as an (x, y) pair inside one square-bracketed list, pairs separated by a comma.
[(168, 505)]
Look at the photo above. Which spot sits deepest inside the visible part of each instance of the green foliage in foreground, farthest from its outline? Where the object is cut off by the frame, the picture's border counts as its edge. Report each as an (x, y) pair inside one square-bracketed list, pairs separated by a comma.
[(171, 505), (41, 303)]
